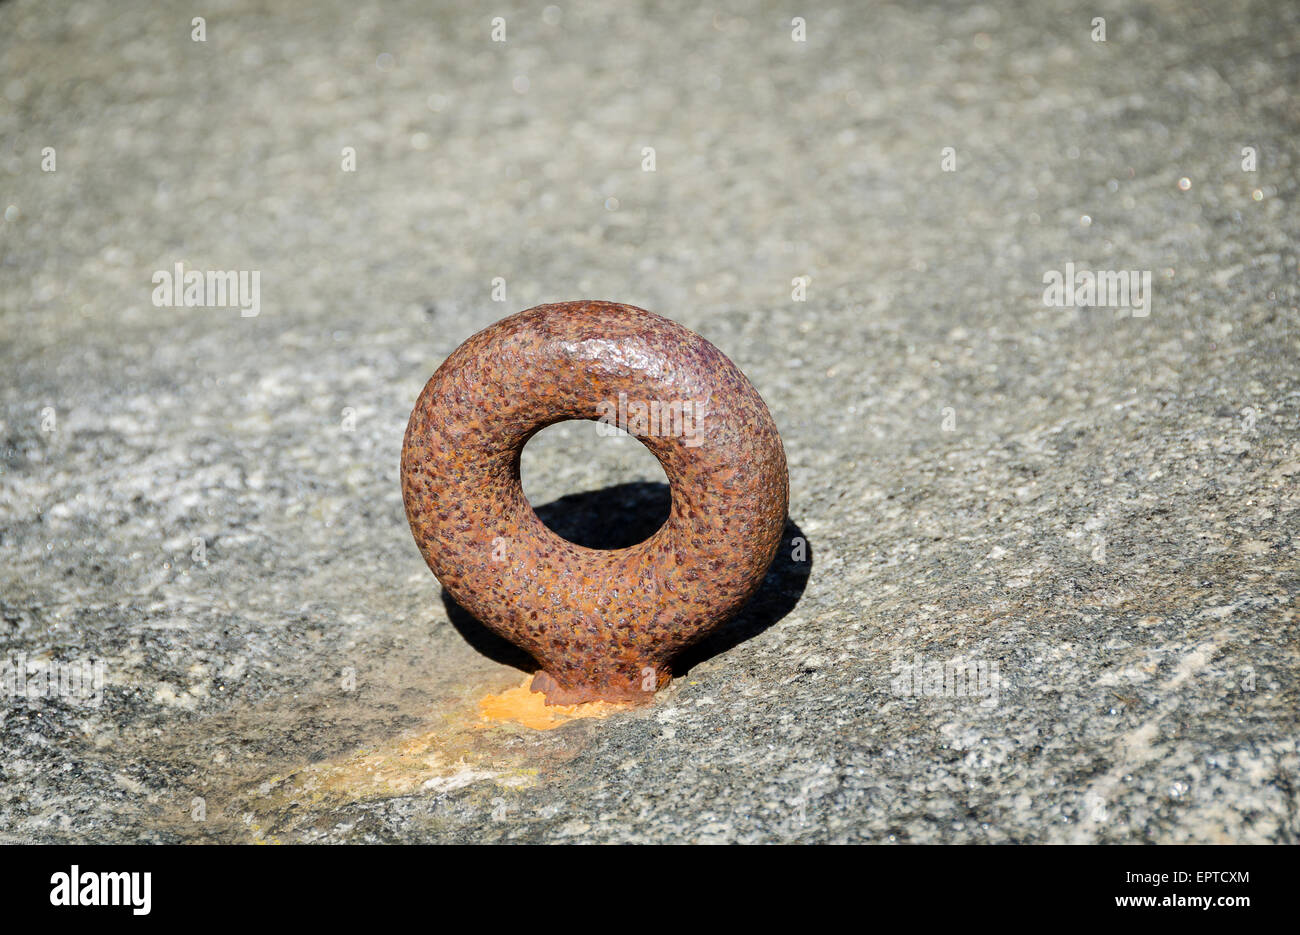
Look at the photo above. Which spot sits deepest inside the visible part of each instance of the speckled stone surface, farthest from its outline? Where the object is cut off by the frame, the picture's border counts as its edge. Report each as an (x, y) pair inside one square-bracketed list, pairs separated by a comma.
[(1107, 510), (603, 624)]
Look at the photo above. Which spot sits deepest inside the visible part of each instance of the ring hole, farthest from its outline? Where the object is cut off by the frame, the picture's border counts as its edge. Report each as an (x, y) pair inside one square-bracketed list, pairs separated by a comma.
[(595, 491)]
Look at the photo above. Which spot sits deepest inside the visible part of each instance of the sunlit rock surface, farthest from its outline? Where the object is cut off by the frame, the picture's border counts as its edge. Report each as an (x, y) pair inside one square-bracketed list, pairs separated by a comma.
[(1088, 516)]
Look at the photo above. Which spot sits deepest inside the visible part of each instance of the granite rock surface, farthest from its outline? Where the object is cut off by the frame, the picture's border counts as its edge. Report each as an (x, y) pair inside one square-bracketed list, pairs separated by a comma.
[(1039, 582)]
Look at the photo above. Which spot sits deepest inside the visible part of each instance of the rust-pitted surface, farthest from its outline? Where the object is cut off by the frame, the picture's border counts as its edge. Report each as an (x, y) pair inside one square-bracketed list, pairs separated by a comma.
[(602, 624)]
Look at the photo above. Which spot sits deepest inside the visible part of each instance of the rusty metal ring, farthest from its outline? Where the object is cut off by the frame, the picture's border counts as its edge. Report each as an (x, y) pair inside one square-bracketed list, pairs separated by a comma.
[(602, 624)]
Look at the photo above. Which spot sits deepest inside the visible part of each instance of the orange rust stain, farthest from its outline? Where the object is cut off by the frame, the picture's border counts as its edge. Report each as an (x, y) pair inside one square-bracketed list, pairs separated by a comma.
[(521, 705)]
